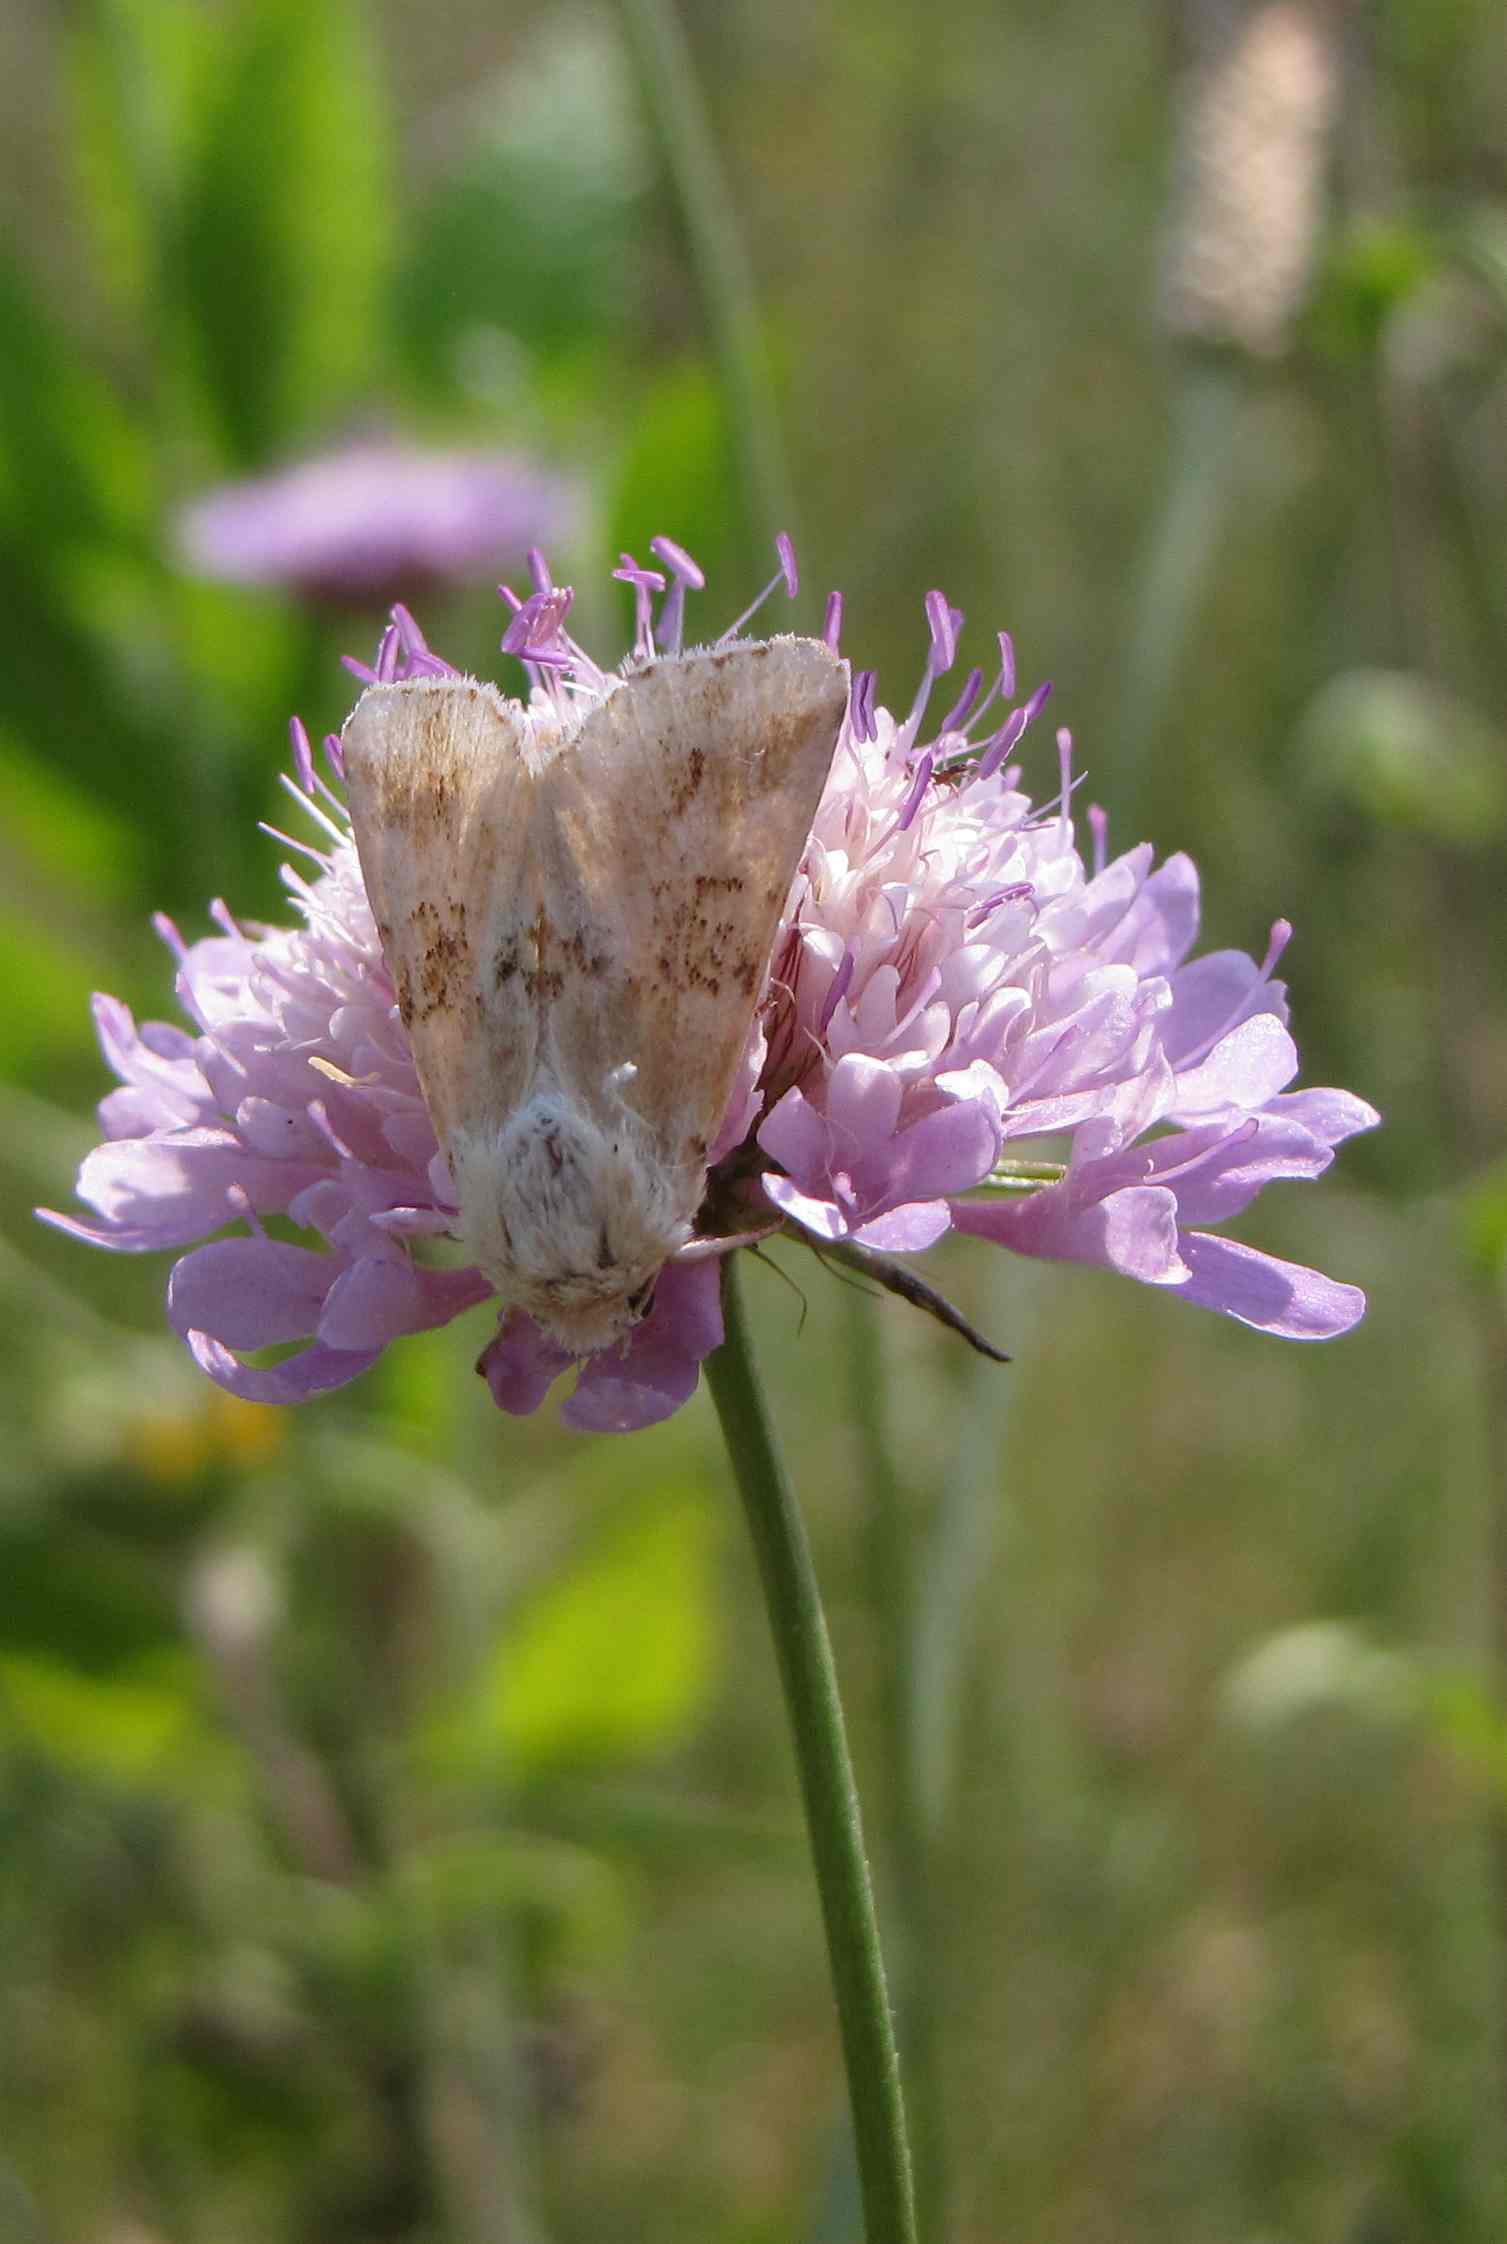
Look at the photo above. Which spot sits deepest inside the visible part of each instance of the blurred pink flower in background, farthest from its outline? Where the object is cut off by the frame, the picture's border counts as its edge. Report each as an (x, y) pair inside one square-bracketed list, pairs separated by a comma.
[(965, 1027), (375, 521)]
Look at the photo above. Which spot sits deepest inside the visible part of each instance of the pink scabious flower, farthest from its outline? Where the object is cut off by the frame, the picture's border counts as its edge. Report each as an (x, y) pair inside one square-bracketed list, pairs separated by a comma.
[(373, 519), (965, 1027)]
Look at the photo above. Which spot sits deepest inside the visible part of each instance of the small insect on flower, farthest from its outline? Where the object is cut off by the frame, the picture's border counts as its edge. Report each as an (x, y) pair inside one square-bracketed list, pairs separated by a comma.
[(578, 927)]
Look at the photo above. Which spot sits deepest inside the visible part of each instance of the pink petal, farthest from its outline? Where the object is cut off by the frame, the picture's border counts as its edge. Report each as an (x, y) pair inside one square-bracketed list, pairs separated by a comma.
[(520, 1366), (175, 1188), (158, 1062), (943, 1152), (906, 1230), (1332, 1116), (1133, 1230), (795, 1135), (1277, 1297), (136, 1110), (250, 1293), (863, 1104), (116, 1238), (823, 1217), (315, 1371), (657, 1368), (1212, 993), (1245, 1069), (1161, 926), (381, 1297), (1227, 1180)]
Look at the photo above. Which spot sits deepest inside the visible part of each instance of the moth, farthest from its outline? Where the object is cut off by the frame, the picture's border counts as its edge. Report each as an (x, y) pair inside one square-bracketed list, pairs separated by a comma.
[(578, 921)]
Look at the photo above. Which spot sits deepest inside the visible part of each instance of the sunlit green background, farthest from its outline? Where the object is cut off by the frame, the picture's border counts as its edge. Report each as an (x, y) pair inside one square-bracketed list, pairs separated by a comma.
[(397, 1830)]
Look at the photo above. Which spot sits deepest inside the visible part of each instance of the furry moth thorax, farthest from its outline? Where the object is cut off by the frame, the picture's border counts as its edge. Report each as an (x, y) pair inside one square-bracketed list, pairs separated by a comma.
[(571, 1221)]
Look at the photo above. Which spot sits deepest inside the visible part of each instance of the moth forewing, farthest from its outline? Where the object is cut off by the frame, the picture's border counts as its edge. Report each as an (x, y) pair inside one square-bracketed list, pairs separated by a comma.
[(579, 940), (441, 787), (679, 819)]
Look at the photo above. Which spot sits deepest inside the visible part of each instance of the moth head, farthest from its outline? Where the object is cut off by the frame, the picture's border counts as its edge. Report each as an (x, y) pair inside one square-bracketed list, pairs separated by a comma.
[(571, 1218)]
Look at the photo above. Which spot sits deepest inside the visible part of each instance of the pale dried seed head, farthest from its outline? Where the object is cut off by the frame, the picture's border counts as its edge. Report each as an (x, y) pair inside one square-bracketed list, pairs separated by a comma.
[(1256, 115)]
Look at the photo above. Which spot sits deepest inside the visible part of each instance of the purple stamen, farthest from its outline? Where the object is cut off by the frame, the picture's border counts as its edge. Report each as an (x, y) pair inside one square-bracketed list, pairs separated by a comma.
[(1098, 819), (1065, 765), (311, 809), (978, 715), (837, 990), (861, 706), (997, 748), (958, 715), (290, 841), (1006, 664), (1038, 701), (516, 637), (538, 569), (334, 754), (303, 754), (944, 622), (669, 632), (1019, 892), (1281, 936), (832, 627), (676, 558), (359, 670), (164, 929), (410, 637), (786, 551), (748, 613), (535, 633), (387, 655), (784, 577), (643, 581), (919, 785)]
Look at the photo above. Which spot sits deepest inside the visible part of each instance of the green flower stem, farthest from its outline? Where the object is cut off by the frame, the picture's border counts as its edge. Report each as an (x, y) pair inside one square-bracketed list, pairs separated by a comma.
[(722, 274), (826, 1775), (906, 1837), (1174, 571)]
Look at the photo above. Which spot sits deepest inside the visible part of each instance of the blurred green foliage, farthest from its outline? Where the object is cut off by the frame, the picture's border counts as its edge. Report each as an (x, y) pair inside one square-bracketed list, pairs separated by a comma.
[(397, 1835)]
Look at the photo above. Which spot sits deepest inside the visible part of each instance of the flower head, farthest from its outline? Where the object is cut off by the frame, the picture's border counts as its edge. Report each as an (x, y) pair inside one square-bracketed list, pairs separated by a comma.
[(965, 1027), (371, 520)]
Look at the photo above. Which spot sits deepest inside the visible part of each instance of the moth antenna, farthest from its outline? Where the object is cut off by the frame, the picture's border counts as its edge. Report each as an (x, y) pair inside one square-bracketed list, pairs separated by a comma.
[(885, 1271), (770, 1264), (864, 1285)]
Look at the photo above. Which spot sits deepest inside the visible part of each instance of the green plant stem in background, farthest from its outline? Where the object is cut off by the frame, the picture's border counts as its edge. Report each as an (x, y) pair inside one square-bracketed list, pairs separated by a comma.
[(722, 274), (826, 1777), (907, 1847), (1174, 568)]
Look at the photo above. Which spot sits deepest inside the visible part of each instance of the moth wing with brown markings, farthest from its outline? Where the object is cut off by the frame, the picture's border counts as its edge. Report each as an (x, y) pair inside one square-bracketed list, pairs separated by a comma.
[(442, 782), (671, 829)]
